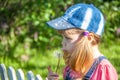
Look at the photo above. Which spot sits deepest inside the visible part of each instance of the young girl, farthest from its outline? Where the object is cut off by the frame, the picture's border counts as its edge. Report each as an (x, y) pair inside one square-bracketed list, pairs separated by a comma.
[(82, 26)]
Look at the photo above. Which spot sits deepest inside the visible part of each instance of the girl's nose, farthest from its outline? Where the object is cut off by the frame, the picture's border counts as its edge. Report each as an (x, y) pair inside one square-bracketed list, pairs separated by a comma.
[(63, 43)]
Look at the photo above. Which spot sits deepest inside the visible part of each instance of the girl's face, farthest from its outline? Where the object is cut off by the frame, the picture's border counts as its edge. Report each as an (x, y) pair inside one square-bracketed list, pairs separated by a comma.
[(68, 42)]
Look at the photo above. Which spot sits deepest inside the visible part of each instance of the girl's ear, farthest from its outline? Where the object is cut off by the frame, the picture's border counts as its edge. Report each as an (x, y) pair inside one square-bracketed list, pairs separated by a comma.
[(90, 37)]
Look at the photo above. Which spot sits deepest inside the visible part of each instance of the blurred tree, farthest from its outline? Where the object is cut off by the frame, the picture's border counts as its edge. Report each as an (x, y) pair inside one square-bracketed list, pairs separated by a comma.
[(23, 23)]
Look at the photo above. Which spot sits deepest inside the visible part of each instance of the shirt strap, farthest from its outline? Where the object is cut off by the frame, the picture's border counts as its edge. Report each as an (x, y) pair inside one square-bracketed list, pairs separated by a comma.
[(94, 66)]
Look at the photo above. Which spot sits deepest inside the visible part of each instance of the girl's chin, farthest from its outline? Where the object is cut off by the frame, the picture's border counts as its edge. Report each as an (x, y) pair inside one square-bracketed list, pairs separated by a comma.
[(65, 51)]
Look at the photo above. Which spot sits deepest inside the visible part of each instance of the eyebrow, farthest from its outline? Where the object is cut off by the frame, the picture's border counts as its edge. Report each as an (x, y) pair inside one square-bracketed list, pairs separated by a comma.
[(67, 36)]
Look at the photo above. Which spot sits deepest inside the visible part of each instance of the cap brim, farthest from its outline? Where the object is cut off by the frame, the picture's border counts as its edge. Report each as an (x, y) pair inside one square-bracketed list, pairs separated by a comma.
[(60, 24)]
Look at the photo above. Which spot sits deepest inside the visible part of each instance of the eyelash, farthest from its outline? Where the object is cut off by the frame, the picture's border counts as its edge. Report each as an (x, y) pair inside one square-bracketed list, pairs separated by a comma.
[(68, 38)]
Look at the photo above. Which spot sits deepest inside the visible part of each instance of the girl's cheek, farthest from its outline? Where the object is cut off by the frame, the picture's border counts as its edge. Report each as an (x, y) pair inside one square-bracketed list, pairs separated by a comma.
[(67, 48)]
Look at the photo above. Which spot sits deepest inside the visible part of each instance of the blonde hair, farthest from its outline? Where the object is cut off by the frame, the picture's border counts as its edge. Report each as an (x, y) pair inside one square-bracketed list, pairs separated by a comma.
[(82, 53)]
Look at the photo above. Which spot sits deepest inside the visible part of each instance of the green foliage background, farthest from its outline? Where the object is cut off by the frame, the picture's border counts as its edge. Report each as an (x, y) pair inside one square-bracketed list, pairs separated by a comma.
[(25, 39)]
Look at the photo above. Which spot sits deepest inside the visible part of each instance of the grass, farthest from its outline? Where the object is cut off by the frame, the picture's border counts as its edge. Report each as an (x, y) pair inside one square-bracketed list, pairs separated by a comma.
[(39, 61)]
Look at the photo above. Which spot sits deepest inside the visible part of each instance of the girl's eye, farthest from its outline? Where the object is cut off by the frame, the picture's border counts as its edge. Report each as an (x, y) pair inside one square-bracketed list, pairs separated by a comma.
[(68, 38)]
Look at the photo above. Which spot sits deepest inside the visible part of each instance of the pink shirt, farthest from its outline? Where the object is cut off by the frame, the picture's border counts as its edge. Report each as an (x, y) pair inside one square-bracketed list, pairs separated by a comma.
[(104, 71)]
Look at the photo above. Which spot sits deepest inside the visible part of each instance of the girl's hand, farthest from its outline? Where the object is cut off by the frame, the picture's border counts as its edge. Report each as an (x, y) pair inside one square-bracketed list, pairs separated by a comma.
[(52, 75)]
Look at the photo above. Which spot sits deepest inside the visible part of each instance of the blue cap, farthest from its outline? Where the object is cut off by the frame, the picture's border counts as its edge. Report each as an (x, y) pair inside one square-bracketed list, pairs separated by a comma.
[(82, 16)]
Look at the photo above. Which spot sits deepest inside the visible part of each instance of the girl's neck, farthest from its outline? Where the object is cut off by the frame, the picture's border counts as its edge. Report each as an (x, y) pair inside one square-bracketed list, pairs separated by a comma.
[(96, 52)]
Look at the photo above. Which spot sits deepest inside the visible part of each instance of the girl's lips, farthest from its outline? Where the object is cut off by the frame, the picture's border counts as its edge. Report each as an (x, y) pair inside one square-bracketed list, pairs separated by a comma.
[(63, 49)]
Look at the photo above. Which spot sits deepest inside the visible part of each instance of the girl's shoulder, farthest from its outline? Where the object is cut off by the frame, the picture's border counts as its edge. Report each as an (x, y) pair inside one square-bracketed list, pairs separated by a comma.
[(105, 71), (105, 64)]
